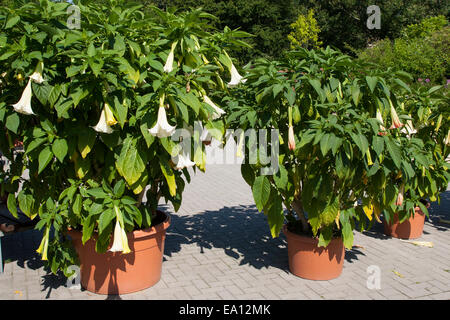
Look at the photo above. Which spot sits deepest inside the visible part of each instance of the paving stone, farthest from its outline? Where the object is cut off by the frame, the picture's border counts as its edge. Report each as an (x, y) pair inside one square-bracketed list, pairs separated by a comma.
[(219, 247)]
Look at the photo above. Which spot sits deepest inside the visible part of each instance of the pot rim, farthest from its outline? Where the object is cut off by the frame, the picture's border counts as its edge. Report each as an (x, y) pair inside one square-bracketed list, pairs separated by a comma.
[(136, 234), (304, 238)]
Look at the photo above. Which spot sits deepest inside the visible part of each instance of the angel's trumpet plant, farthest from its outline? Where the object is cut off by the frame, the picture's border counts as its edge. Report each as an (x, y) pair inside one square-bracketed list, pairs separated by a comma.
[(218, 112), (162, 128), (43, 248), (24, 104), (120, 243), (291, 138), (382, 128), (396, 123), (102, 125), (168, 67), (184, 162), (37, 74)]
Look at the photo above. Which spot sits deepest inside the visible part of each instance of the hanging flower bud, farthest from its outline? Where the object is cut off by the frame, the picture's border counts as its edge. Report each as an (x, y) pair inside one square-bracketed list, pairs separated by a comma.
[(37, 75), (43, 247), (24, 104), (102, 126), (218, 111), (291, 141), (399, 201), (240, 146), (396, 123), (382, 128), (168, 67), (447, 139), (110, 120)]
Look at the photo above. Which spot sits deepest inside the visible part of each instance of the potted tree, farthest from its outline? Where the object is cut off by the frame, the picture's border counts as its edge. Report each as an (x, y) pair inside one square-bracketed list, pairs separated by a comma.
[(331, 152), (424, 173), (98, 110)]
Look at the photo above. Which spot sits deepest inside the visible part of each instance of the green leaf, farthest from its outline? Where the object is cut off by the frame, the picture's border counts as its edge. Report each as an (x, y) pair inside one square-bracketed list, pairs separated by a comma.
[(119, 188), (281, 177), (275, 217), (131, 162), (325, 237), (11, 204), (378, 145), (42, 92), (60, 148), (105, 219), (261, 191), (86, 140), (12, 22), (290, 95), (371, 82), (347, 234), (45, 156), (394, 151), (170, 178), (318, 87), (77, 205), (247, 173), (12, 122)]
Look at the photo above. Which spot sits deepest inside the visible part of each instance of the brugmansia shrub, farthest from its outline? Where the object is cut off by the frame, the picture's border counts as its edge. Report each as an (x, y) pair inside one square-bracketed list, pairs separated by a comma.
[(96, 108), (339, 141)]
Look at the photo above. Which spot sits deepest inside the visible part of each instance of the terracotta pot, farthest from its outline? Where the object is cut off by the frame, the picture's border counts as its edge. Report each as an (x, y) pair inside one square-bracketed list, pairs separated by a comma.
[(408, 229), (117, 273), (307, 260)]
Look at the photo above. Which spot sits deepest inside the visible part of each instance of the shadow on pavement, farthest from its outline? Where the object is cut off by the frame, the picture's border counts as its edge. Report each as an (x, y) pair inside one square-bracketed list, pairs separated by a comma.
[(241, 231)]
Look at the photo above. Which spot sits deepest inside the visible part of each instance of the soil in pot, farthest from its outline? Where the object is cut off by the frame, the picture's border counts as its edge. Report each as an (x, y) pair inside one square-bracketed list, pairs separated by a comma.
[(117, 273), (309, 261), (408, 229)]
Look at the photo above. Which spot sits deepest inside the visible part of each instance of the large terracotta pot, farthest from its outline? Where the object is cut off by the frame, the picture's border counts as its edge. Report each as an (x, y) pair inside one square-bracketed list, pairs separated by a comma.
[(307, 260), (117, 273), (408, 229)]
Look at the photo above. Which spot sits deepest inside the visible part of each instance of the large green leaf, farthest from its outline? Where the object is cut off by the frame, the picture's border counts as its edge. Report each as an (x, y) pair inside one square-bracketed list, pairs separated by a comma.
[(131, 162), (261, 191), (86, 141), (394, 151), (170, 178), (45, 156), (275, 216), (60, 148)]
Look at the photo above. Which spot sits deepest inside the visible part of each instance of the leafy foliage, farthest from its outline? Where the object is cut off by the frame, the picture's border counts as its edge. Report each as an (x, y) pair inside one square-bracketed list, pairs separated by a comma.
[(305, 32)]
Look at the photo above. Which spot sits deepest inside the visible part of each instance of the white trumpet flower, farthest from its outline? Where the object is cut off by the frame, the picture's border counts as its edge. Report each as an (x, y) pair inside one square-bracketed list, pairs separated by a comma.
[(236, 78), (447, 139), (120, 243), (37, 74), (218, 111), (184, 162), (24, 104), (162, 128), (102, 126), (168, 67)]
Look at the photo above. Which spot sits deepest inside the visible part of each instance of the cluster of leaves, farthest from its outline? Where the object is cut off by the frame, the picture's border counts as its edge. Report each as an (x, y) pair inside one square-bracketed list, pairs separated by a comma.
[(79, 177), (423, 51), (343, 159)]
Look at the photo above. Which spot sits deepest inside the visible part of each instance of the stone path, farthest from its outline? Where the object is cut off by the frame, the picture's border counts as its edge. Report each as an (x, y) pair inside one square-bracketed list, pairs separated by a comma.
[(219, 247)]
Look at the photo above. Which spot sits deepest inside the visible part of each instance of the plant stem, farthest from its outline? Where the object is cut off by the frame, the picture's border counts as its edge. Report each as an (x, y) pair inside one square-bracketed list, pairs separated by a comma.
[(298, 207)]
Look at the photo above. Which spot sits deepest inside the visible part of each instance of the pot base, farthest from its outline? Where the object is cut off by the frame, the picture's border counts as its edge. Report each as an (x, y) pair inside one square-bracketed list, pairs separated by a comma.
[(408, 229), (308, 261), (117, 273)]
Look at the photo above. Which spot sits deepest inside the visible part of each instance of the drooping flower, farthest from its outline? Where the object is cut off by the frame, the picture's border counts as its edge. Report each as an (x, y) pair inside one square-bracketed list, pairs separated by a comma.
[(120, 243), (396, 123), (102, 125), (291, 141), (168, 67), (447, 139), (399, 200), (240, 147), (184, 161), (409, 128), (236, 78), (162, 128), (37, 74), (218, 111), (43, 247), (110, 120), (24, 104), (382, 128)]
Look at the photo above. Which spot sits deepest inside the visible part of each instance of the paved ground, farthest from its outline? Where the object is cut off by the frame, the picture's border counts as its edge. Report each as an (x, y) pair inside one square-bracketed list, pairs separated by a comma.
[(219, 247)]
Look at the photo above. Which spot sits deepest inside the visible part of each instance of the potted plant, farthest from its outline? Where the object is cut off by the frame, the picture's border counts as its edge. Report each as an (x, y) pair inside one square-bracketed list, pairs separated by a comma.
[(98, 109), (424, 172), (331, 152)]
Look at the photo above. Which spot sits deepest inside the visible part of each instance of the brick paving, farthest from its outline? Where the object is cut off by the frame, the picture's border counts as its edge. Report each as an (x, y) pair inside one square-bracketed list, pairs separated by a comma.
[(219, 247)]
